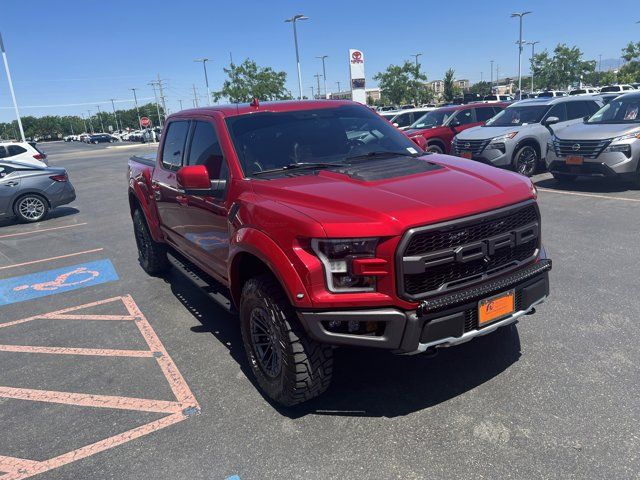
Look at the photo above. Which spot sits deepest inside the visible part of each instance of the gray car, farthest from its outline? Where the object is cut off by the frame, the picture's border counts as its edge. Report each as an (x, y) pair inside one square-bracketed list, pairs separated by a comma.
[(28, 192), (605, 145), (517, 137)]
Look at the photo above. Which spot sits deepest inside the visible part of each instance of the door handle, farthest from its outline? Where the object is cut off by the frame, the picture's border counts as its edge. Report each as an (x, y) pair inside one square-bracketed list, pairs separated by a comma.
[(182, 200)]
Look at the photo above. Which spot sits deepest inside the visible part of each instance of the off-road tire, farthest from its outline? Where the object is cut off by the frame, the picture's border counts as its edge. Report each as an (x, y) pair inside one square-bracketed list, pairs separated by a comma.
[(564, 178), (306, 366), (151, 254), (31, 208)]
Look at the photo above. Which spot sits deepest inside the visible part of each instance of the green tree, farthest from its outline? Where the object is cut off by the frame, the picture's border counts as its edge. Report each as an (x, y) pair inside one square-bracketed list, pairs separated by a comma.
[(481, 88), (248, 80), (403, 84), (562, 69), (449, 89)]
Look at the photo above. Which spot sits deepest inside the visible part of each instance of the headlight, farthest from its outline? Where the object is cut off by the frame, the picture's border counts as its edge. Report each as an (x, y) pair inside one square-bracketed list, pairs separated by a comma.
[(622, 147), (498, 142), (337, 257)]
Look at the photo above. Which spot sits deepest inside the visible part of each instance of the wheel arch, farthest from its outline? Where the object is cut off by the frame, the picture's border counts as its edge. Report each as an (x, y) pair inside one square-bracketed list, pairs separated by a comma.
[(437, 141), (529, 141)]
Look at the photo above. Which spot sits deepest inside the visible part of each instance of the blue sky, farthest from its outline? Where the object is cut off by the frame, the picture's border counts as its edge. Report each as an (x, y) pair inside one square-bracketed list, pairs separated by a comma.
[(73, 52)]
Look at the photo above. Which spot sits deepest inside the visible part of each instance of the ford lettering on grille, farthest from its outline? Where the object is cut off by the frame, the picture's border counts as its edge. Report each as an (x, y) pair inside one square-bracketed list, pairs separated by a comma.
[(472, 251)]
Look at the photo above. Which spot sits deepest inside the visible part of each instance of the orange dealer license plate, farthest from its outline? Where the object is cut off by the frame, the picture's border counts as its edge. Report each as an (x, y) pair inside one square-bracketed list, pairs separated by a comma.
[(575, 160), (496, 307), (466, 154)]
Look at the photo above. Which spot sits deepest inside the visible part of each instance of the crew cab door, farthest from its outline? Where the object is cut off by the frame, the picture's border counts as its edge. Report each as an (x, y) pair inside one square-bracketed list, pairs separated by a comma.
[(165, 184), (205, 227)]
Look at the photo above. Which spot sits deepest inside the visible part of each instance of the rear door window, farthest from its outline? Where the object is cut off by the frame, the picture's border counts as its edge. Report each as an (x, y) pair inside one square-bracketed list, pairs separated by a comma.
[(576, 110), (15, 150), (205, 150), (174, 144), (484, 113)]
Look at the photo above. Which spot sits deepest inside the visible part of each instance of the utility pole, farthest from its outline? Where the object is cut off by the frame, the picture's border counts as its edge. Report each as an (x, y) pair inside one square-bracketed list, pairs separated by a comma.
[(317, 75), (13, 94), (324, 73), (206, 78), (85, 122), (520, 15), (71, 125), (135, 99), (180, 102), (100, 117), (114, 113), (294, 20), (164, 105), (195, 96), (153, 85), (533, 52), (338, 86), (497, 75), (312, 94), (90, 122)]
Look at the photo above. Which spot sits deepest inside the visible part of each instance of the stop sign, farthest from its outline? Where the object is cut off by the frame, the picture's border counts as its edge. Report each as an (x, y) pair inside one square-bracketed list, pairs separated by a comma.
[(145, 122)]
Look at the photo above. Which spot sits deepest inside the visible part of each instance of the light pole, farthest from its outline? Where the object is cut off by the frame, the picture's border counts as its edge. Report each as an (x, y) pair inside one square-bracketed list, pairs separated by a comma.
[(338, 83), (135, 99), (324, 73), (520, 15), (100, 117), (206, 77), (600, 62), (312, 94), (85, 122), (533, 51), (13, 94), (416, 56), (491, 73), (293, 20)]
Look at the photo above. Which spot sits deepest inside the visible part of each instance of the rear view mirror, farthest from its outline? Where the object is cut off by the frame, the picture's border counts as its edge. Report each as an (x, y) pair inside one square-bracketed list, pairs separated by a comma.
[(194, 180), (420, 141)]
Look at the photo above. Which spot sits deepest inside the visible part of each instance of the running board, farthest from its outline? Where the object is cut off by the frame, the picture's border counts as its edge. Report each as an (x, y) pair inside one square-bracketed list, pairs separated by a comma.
[(211, 287)]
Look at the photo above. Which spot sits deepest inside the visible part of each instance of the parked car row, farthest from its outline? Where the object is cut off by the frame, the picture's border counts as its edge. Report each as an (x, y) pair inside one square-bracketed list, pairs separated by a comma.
[(94, 138)]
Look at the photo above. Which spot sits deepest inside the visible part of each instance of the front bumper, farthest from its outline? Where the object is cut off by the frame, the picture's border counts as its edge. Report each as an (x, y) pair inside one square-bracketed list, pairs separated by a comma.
[(607, 164), (441, 321)]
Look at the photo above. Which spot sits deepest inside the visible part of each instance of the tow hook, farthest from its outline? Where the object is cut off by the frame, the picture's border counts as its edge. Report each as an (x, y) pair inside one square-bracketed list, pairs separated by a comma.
[(531, 312)]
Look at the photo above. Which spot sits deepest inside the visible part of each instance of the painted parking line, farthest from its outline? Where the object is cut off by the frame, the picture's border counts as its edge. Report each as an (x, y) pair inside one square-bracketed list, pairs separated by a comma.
[(593, 195), (184, 406), (52, 258), (51, 282), (41, 230)]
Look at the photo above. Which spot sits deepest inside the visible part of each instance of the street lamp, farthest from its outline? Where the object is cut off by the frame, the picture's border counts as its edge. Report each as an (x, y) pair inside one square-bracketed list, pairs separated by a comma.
[(324, 74), (520, 15), (533, 51), (13, 94), (491, 73), (293, 20), (206, 78), (416, 56)]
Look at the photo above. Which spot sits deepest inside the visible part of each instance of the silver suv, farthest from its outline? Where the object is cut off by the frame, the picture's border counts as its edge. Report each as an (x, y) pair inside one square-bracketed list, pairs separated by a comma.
[(517, 137), (605, 145)]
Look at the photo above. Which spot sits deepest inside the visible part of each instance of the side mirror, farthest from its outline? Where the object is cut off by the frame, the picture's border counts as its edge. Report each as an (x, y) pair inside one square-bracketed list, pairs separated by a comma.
[(586, 118), (551, 121), (194, 180), (420, 141), (396, 125), (454, 123)]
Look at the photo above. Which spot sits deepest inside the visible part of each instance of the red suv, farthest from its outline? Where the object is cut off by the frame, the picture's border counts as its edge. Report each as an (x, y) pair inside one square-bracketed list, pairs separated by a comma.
[(438, 127)]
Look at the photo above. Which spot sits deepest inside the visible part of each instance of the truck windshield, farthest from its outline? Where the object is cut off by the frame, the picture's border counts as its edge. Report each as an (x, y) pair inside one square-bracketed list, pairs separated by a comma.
[(620, 110), (518, 115), (434, 118), (272, 141)]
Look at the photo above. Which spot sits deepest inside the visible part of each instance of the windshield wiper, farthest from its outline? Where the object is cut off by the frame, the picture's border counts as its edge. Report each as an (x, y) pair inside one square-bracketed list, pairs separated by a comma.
[(298, 166), (382, 154)]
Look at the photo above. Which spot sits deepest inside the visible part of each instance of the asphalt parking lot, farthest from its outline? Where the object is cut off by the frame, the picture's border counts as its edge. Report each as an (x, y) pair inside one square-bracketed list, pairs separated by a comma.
[(109, 373)]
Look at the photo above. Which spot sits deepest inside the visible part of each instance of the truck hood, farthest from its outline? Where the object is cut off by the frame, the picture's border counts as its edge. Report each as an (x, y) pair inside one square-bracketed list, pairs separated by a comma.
[(484, 133), (586, 131), (449, 188)]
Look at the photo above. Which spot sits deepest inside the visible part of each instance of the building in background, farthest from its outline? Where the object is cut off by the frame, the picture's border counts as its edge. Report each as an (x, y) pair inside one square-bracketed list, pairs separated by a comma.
[(437, 86), (462, 84)]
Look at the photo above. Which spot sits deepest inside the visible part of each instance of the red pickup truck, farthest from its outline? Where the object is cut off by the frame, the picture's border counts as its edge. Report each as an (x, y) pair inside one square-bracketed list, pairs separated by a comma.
[(322, 225)]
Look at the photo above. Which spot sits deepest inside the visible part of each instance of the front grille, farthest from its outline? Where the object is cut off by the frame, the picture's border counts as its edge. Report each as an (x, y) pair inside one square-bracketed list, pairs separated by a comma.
[(422, 243), (474, 146), (584, 148)]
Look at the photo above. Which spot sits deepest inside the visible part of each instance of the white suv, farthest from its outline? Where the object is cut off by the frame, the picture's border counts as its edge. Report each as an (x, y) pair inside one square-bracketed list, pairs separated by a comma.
[(616, 88), (22, 152)]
